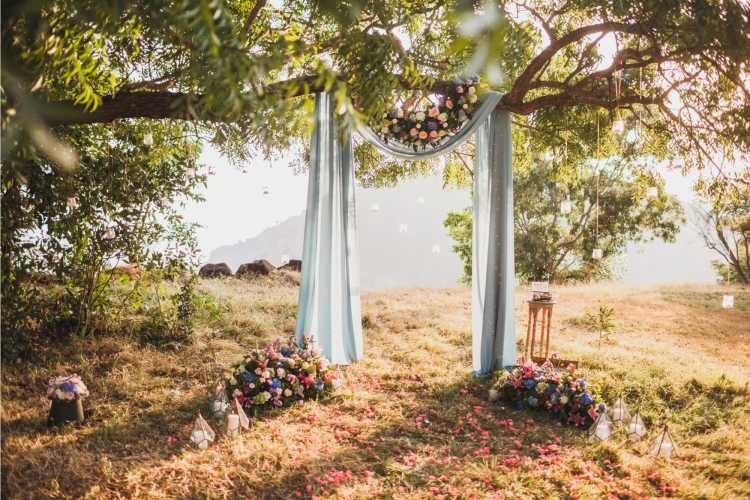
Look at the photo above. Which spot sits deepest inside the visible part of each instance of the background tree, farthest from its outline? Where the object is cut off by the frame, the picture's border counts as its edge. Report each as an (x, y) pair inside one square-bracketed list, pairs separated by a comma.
[(120, 205), (552, 245), (725, 228)]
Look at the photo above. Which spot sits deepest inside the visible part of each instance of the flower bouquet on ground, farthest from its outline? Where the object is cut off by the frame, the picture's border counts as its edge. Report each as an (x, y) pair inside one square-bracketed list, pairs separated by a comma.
[(280, 375), (543, 387), (66, 394)]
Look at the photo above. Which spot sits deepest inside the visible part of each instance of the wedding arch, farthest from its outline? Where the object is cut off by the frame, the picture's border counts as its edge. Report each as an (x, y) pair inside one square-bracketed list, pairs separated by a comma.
[(329, 301)]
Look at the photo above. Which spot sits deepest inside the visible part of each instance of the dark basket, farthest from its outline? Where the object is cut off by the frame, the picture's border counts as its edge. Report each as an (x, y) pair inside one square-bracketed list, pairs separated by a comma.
[(62, 412)]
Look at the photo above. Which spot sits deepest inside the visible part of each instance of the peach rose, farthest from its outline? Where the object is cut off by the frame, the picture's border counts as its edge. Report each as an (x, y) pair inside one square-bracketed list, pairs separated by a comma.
[(423, 135), (434, 111), (413, 132)]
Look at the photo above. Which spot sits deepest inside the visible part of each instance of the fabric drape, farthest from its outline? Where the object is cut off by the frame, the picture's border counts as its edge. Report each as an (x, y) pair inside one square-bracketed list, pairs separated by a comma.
[(329, 303), (493, 266)]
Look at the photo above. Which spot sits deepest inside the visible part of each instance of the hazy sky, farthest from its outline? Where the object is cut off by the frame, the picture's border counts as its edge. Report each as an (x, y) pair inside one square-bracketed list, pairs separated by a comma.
[(241, 205)]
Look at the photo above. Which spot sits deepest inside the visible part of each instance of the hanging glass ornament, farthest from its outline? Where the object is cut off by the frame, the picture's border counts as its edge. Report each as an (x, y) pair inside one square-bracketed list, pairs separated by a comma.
[(220, 402), (727, 301), (402, 228), (374, 207), (436, 249), (72, 203), (420, 200), (652, 193), (597, 254), (148, 139), (600, 429), (566, 206), (266, 190), (202, 434), (618, 413), (636, 429), (618, 127), (664, 445)]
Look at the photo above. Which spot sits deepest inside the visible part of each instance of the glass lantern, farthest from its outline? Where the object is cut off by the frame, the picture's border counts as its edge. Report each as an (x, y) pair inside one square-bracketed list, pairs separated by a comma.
[(220, 402), (652, 193), (664, 445), (436, 249), (148, 139), (727, 301), (600, 429), (374, 207), (619, 412), (566, 206), (618, 126), (597, 254), (202, 434), (420, 200), (402, 228), (636, 428)]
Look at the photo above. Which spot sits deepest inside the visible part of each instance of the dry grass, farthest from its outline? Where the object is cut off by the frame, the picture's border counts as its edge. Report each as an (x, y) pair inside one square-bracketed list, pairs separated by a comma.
[(409, 422)]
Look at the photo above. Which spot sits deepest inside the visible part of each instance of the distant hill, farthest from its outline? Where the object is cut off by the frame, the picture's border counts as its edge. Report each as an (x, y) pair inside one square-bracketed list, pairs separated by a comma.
[(402, 243)]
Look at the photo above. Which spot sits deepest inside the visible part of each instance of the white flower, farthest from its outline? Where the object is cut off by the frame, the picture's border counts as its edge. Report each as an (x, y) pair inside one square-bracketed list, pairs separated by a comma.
[(420, 116), (399, 113), (472, 90), (465, 106), (148, 139), (442, 117), (473, 98), (394, 120), (287, 392)]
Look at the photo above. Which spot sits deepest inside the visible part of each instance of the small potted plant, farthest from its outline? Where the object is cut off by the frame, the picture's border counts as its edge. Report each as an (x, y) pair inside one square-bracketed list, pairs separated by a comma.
[(66, 394)]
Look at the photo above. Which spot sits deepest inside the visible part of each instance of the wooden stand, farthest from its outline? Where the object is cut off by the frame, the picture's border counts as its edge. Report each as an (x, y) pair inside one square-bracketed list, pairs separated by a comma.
[(531, 350)]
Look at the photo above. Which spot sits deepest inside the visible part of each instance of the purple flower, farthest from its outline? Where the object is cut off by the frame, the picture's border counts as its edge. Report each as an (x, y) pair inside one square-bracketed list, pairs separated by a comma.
[(586, 399), (275, 383), (432, 125)]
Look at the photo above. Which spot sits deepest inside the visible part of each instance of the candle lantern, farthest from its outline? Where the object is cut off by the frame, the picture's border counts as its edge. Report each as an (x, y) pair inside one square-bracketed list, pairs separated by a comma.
[(202, 434), (664, 445), (566, 206), (652, 193), (220, 402), (600, 429), (436, 249), (619, 414), (727, 301), (402, 228), (374, 207), (597, 254), (618, 126), (636, 428)]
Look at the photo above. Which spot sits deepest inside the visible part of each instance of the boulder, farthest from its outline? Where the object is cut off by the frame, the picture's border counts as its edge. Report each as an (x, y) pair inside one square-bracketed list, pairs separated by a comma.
[(215, 270), (255, 267), (293, 265)]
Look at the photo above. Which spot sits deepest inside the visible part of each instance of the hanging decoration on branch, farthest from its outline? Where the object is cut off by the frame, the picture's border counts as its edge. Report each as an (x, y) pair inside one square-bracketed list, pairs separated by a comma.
[(421, 123)]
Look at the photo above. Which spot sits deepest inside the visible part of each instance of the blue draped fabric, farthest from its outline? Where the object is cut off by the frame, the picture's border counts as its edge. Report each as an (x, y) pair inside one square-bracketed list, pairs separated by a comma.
[(329, 305), (493, 268)]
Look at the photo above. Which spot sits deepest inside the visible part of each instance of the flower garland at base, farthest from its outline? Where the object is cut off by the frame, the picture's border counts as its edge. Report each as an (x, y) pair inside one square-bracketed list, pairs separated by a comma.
[(569, 398), (279, 376)]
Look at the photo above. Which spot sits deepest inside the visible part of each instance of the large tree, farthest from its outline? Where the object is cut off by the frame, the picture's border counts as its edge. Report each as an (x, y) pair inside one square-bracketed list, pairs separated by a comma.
[(679, 67)]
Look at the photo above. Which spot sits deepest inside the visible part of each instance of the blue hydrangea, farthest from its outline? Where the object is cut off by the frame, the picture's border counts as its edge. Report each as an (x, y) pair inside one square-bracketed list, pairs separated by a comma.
[(533, 402), (320, 385), (68, 387), (275, 383), (249, 377), (602, 407), (286, 352), (551, 388), (529, 383), (586, 399)]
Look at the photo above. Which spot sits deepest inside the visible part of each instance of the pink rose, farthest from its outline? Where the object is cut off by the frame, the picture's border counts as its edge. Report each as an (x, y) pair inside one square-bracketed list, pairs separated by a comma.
[(434, 111), (449, 104)]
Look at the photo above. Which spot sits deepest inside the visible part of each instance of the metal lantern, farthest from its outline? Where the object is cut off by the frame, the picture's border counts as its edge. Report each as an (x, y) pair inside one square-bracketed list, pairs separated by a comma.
[(436, 249), (148, 139), (266, 190), (652, 193), (420, 200), (619, 412), (202, 434), (236, 420), (618, 126), (600, 429), (597, 254), (402, 228), (566, 206), (664, 445), (374, 207), (220, 402), (636, 428), (727, 301)]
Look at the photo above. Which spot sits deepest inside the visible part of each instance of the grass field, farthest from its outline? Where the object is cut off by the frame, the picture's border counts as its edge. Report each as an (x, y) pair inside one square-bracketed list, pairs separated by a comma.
[(409, 421)]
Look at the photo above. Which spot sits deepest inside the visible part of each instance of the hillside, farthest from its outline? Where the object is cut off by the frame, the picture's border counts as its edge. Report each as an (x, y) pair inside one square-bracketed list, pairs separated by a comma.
[(409, 422)]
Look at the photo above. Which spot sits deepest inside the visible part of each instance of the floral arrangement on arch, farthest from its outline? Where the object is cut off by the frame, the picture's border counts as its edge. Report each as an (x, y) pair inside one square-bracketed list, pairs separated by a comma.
[(419, 122), (560, 392), (280, 375), (66, 388)]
